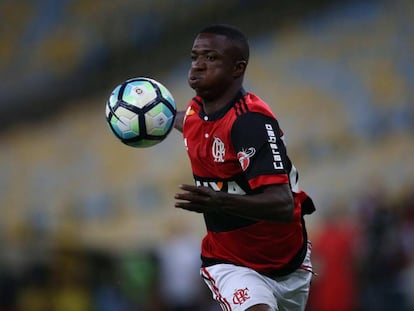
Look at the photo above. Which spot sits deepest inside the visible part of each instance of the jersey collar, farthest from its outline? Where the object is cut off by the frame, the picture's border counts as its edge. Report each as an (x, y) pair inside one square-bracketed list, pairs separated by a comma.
[(219, 114)]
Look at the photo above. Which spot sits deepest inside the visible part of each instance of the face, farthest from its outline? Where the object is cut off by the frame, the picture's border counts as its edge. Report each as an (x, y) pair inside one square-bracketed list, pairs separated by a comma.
[(213, 66)]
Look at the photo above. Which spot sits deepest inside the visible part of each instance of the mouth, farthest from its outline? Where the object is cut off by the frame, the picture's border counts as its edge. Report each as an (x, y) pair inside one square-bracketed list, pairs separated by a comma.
[(194, 80)]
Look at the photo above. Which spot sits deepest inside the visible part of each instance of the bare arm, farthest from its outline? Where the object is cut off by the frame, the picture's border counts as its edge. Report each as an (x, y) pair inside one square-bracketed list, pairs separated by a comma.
[(179, 120), (275, 203)]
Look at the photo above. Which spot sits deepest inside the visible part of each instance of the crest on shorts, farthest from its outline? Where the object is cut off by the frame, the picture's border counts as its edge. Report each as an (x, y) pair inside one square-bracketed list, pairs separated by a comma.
[(240, 296)]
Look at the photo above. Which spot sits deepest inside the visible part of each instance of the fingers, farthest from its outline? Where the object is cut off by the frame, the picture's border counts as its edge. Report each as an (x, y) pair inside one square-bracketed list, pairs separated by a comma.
[(194, 189), (198, 199), (190, 207), (194, 193), (187, 187), (194, 198)]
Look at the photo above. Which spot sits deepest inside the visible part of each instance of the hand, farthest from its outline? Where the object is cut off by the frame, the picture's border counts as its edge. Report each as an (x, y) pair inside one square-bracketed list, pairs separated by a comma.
[(197, 199)]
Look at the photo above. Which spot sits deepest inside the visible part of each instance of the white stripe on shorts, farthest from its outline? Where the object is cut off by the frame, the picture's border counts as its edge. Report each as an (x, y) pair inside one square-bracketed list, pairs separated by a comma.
[(211, 283)]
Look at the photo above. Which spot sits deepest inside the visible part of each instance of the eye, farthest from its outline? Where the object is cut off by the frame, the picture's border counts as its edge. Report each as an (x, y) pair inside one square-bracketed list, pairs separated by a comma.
[(193, 57), (210, 58)]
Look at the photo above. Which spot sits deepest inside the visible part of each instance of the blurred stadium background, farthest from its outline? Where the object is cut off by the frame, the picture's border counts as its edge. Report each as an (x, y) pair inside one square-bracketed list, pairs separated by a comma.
[(86, 221)]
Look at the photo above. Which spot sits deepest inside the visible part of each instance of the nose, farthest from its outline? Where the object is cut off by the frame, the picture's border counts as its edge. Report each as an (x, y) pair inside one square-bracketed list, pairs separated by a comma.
[(197, 64)]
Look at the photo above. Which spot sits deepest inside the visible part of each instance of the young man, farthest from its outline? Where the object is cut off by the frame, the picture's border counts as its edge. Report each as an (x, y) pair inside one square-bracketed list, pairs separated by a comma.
[(255, 254)]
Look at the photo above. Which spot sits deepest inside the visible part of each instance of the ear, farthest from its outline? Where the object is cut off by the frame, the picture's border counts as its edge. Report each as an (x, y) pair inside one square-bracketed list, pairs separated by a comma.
[(239, 68)]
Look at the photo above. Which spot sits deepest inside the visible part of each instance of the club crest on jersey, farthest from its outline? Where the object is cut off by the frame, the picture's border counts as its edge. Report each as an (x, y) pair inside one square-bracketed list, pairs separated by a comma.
[(218, 150), (240, 296), (244, 157)]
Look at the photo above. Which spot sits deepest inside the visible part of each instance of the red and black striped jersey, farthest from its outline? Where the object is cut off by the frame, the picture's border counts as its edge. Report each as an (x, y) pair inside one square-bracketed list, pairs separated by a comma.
[(239, 150)]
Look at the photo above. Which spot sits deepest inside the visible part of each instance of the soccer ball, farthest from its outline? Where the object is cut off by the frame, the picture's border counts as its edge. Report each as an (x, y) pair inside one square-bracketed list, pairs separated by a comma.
[(140, 112)]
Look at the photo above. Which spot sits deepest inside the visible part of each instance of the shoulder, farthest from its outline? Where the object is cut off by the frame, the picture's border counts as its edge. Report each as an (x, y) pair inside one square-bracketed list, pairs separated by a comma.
[(256, 111), (195, 104), (258, 120), (193, 108), (257, 105)]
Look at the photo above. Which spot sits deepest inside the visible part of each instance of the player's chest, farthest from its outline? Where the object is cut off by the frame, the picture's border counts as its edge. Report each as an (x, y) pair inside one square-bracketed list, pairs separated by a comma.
[(209, 145)]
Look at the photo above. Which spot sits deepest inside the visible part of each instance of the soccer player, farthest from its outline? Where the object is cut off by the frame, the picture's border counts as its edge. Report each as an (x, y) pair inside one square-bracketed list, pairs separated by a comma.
[(256, 254)]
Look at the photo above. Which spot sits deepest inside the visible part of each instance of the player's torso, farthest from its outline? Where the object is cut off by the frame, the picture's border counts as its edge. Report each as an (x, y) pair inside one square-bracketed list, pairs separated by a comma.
[(209, 147), (216, 163), (208, 138)]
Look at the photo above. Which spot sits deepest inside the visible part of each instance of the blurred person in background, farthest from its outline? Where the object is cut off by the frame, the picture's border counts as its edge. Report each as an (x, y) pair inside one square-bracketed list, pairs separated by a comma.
[(107, 293), (35, 290), (178, 264), (8, 289), (406, 233), (336, 247), (256, 254), (385, 256), (70, 281)]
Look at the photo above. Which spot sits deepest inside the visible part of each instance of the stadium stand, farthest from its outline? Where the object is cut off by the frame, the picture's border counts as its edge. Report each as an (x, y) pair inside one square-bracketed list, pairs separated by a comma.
[(341, 82), (334, 89)]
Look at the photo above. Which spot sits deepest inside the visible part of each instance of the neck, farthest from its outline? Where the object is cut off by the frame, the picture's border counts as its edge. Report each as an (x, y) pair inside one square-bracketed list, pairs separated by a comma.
[(211, 106)]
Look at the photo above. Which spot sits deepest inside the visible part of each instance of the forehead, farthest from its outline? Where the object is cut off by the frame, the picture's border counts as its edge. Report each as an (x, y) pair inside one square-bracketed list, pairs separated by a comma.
[(210, 41)]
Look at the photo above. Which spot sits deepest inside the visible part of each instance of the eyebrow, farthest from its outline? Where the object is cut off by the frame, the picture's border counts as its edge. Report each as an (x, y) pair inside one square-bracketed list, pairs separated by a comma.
[(204, 50)]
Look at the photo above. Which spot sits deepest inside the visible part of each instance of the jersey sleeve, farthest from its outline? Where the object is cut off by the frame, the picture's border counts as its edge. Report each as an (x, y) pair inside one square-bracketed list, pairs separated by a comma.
[(260, 149)]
